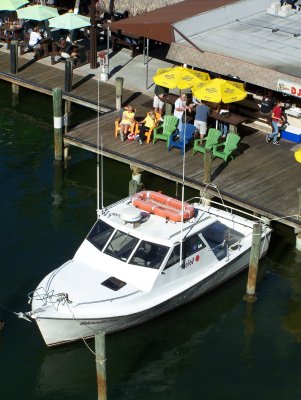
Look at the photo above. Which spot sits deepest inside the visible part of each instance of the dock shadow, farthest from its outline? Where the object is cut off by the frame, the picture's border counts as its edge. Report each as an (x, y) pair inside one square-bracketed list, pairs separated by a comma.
[(132, 97), (83, 80), (26, 65), (242, 147)]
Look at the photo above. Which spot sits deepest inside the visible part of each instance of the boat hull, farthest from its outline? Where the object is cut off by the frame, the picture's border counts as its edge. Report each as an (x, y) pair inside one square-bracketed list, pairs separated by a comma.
[(57, 331)]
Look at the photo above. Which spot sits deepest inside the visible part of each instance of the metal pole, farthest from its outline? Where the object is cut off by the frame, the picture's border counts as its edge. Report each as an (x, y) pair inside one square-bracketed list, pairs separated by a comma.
[(58, 125), (207, 166), (298, 237), (93, 41), (144, 50), (76, 7), (108, 50), (250, 295), (100, 351), (147, 51)]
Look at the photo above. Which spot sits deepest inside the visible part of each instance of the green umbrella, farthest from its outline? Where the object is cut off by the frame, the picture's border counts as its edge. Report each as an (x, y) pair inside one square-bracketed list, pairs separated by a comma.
[(37, 12), (69, 21), (12, 5)]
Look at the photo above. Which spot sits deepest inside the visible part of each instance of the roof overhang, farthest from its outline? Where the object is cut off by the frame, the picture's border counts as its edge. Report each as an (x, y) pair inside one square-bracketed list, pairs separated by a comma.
[(157, 24)]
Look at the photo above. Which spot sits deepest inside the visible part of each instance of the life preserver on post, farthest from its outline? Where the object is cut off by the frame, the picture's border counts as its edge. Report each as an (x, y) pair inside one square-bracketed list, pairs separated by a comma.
[(163, 206)]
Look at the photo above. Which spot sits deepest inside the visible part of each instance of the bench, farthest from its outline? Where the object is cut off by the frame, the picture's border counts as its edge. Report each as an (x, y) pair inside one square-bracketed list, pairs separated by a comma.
[(132, 43)]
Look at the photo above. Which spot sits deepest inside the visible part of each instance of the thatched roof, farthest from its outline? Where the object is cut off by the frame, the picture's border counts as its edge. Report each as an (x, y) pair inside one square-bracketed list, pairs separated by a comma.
[(135, 7)]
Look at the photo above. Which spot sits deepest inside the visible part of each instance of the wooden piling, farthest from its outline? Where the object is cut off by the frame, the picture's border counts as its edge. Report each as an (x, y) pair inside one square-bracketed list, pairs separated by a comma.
[(58, 125), (119, 89), (68, 88), (207, 166), (100, 352), (135, 185), (14, 57), (168, 109), (250, 295)]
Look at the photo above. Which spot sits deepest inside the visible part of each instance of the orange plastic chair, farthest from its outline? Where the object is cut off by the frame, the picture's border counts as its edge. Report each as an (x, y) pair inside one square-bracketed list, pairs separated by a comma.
[(149, 133), (133, 128)]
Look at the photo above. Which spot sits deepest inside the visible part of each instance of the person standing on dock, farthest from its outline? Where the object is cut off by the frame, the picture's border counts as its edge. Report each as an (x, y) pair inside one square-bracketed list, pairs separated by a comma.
[(202, 112), (180, 108), (277, 121), (158, 103), (267, 104)]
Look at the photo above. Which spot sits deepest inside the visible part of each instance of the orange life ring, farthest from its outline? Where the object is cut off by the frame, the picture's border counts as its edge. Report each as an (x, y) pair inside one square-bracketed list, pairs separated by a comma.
[(162, 205)]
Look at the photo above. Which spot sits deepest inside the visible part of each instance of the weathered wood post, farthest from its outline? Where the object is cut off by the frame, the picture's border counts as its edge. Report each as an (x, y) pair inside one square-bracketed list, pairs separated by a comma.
[(14, 69), (100, 351), (298, 237), (135, 185), (14, 57), (168, 109), (119, 89), (58, 125), (68, 88), (250, 295), (207, 166)]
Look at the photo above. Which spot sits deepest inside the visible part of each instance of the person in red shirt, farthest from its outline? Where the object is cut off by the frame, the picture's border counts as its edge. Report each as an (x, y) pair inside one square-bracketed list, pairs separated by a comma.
[(277, 120)]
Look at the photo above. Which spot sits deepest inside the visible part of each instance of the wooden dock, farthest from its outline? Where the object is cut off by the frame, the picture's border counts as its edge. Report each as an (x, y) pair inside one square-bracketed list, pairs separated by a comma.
[(263, 178)]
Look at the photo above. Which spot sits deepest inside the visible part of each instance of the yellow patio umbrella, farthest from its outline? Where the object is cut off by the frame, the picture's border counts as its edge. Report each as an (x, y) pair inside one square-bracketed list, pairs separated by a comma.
[(179, 77), (217, 90)]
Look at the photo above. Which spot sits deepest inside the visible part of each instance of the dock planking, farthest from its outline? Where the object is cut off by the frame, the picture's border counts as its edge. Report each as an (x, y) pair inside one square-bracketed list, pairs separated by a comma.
[(263, 178)]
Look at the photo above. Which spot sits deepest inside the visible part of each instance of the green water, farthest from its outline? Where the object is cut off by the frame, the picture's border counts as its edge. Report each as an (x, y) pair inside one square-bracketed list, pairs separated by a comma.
[(217, 347)]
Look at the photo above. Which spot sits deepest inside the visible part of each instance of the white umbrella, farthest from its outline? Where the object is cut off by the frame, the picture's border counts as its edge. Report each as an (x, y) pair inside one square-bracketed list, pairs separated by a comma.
[(37, 12), (12, 5), (69, 21)]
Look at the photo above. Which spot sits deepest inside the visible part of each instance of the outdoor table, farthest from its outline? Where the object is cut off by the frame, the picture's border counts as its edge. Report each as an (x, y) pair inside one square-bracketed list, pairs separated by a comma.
[(233, 119)]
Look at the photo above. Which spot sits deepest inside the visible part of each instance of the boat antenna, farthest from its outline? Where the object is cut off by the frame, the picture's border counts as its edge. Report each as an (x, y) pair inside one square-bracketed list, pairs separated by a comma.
[(99, 183), (183, 190)]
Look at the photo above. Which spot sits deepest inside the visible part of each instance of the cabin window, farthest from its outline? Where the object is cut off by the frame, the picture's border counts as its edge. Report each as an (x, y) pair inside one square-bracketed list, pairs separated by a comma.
[(100, 234), (150, 255), (121, 245), (191, 245), (219, 237)]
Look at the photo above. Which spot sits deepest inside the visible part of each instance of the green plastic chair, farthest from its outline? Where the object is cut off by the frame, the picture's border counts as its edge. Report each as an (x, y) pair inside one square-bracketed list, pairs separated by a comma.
[(164, 131), (208, 142), (229, 146)]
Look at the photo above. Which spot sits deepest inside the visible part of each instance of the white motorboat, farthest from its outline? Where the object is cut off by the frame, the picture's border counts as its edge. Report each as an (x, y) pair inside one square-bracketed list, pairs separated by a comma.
[(145, 255)]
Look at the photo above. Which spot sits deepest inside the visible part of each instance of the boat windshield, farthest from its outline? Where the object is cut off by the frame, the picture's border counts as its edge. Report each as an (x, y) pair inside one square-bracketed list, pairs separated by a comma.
[(150, 255), (121, 245), (100, 234)]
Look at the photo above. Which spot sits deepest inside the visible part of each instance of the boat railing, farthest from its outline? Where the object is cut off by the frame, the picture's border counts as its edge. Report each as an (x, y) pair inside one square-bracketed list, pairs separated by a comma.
[(231, 210)]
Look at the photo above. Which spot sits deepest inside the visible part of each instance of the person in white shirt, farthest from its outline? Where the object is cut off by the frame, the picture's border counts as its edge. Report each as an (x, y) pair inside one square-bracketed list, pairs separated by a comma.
[(180, 107), (34, 39)]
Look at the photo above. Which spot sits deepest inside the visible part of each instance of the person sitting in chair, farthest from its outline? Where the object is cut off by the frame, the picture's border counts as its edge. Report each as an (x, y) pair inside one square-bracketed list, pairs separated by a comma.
[(128, 117), (34, 39), (68, 49), (149, 122)]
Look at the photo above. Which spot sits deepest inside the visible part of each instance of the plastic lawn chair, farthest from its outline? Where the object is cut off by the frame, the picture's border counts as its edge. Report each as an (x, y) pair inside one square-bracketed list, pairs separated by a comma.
[(208, 142), (149, 133), (133, 128), (178, 141), (225, 150), (164, 131)]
